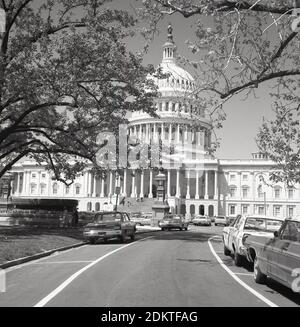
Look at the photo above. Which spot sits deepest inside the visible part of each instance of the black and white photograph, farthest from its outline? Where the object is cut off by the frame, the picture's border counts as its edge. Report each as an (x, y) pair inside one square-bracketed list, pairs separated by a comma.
[(149, 157)]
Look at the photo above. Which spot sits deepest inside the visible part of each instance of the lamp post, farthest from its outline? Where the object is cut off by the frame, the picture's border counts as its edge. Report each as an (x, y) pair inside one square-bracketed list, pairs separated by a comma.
[(117, 189)]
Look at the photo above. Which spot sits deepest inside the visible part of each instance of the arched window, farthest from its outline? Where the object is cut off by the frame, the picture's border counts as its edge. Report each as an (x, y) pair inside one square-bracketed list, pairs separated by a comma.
[(89, 206), (201, 209), (97, 206), (211, 210), (55, 188), (192, 209)]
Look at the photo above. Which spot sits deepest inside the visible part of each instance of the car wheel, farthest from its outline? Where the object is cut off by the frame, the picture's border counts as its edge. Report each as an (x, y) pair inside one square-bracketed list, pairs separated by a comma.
[(186, 228), (259, 277), (238, 259), (226, 250), (123, 237), (132, 237), (216, 224), (92, 240)]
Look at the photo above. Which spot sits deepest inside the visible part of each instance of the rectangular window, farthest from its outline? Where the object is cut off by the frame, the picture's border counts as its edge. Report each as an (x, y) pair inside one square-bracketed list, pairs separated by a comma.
[(33, 175), (261, 210), (245, 209), (67, 189), (232, 209), (290, 211), (232, 178), (245, 192), (277, 211), (232, 191), (291, 193), (43, 175), (245, 177), (277, 193)]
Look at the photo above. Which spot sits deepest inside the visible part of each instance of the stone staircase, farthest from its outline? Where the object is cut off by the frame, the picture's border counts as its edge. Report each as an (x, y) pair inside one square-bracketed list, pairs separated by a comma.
[(136, 206)]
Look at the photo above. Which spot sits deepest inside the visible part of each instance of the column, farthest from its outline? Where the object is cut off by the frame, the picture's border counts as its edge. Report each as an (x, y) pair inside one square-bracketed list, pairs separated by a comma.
[(170, 106), (253, 186), (206, 185), (110, 183), (142, 184), (147, 133), (150, 184), (102, 188), (216, 191), (169, 184), (90, 184), (163, 108), (170, 133), (177, 183), (188, 196), (18, 184), (134, 131), (154, 138), (140, 132), (125, 183), (197, 185), (95, 186), (162, 136), (178, 133), (133, 185)]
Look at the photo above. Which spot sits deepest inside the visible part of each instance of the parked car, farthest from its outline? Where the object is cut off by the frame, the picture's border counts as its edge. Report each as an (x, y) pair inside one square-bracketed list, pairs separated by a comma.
[(277, 257), (201, 220), (234, 236), (221, 220), (108, 225), (173, 221), (141, 220)]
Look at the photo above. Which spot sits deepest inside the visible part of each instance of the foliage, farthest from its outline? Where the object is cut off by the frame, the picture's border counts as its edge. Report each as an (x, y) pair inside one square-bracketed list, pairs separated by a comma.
[(65, 76), (239, 46)]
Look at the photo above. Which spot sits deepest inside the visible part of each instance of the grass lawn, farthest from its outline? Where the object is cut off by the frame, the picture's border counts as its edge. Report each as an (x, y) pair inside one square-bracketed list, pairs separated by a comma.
[(18, 242)]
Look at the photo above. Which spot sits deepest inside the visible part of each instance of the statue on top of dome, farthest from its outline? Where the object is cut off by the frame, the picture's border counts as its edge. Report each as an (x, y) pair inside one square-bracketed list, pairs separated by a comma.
[(170, 32)]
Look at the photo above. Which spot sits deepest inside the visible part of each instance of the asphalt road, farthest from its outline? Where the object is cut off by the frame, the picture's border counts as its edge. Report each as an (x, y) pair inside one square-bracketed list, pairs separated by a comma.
[(177, 268)]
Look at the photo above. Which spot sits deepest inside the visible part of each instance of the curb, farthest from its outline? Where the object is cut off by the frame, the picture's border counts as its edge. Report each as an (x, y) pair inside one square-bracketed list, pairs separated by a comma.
[(47, 253), (38, 256)]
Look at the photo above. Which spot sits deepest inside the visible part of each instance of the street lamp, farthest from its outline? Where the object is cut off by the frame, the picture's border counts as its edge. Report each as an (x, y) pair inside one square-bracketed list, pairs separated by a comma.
[(117, 189)]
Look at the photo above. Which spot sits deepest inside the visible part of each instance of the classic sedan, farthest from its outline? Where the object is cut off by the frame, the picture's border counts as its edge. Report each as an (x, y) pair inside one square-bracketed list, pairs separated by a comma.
[(201, 220), (173, 222), (277, 257), (108, 225), (234, 236)]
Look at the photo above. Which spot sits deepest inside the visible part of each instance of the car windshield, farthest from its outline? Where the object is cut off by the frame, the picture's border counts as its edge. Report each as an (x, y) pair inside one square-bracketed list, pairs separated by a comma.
[(108, 217), (262, 224)]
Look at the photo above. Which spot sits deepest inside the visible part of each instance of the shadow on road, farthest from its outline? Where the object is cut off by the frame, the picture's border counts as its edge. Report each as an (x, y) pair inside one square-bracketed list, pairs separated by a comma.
[(276, 288)]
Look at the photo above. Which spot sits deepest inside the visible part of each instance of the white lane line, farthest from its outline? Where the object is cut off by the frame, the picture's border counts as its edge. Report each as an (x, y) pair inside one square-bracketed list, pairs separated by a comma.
[(7, 270), (247, 287), (51, 262), (68, 281)]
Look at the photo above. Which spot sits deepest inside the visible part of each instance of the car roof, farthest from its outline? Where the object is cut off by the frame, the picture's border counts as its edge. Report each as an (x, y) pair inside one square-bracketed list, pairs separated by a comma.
[(263, 217), (297, 218)]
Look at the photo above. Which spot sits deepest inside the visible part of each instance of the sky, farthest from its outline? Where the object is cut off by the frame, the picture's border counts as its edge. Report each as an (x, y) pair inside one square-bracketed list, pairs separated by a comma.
[(244, 117)]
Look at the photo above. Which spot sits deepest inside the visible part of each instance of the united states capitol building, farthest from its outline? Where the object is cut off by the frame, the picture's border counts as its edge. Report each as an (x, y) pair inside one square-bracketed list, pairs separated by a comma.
[(195, 184)]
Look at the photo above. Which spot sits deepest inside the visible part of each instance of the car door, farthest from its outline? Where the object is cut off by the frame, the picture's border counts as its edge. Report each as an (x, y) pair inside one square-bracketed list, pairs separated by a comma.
[(285, 253), (232, 231), (129, 226)]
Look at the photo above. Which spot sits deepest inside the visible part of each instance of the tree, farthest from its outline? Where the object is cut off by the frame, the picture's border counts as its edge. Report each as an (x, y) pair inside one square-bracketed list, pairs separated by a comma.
[(66, 76), (241, 45)]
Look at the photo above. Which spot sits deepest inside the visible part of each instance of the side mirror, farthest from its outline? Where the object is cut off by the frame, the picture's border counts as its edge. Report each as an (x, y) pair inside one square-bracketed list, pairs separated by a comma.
[(276, 234)]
